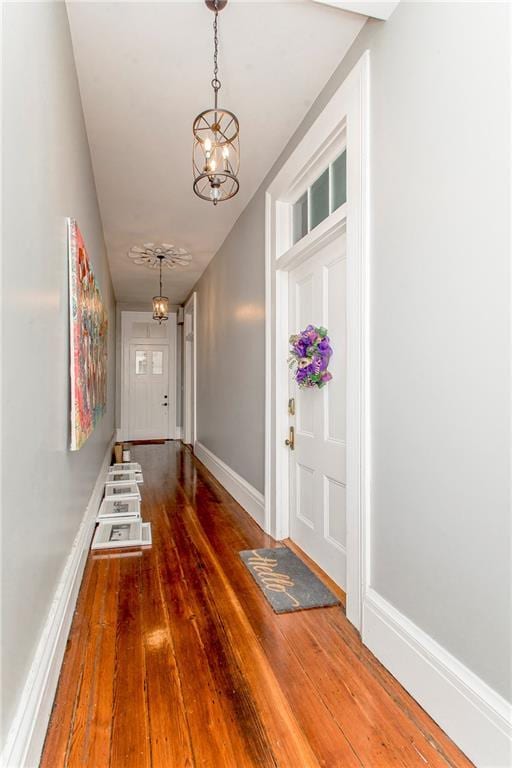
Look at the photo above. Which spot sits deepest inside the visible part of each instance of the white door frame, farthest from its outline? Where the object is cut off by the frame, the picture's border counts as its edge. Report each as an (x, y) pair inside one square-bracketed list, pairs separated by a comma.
[(343, 122), (190, 381), (127, 317)]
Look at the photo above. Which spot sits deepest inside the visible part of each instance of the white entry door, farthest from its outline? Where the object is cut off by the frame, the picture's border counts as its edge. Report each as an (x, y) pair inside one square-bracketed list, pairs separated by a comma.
[(148, 397), (317, 296)]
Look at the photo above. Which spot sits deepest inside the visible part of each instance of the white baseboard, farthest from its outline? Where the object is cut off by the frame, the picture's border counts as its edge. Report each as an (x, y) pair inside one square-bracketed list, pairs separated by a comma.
[(247, 496), (472, 714), (179, 433), (27, 733)]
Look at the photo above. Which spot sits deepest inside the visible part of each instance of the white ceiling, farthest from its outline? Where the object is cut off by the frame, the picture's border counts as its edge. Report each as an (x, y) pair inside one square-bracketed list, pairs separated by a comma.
[(144, 70)]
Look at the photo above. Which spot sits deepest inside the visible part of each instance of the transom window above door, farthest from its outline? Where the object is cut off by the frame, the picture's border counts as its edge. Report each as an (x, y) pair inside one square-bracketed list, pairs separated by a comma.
[(324, 196)]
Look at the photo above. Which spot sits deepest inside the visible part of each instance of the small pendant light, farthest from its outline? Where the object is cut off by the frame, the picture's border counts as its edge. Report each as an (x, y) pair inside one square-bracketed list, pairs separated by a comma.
[(160, 303), (216, 152)]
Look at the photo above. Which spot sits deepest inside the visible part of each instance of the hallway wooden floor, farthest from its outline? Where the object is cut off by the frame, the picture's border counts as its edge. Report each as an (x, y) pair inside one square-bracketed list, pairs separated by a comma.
[(176, 659)]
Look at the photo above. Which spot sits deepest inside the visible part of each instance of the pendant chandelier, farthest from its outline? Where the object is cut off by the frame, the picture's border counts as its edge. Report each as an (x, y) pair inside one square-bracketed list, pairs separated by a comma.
[(216, 152), (160, 303)]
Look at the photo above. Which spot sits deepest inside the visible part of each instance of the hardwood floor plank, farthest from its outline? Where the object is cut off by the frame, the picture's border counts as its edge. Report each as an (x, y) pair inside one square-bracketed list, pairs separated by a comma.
[(88, 694), (370, 727), (214, 690), (263, 713), (323, 732), (417, 716), (60, 729), (130, 743), (328, 742), (176, 660), (168, 727), (94, 748), (341, 710)]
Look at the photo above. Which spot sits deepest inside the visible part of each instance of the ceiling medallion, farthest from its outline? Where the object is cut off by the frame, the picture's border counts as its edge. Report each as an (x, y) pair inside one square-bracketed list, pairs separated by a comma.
[(152, 255), (216, 151)]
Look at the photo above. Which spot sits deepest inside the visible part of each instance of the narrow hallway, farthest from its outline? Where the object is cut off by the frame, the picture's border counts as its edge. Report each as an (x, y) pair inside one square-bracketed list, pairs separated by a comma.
[(176, 659)]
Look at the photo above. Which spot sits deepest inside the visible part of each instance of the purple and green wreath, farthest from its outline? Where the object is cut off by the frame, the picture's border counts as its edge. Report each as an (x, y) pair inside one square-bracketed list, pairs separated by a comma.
[(310, 352)]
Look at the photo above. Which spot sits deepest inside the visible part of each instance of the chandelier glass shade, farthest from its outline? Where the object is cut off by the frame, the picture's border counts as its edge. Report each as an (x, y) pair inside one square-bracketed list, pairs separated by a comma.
[(160, 303), (216, 150)]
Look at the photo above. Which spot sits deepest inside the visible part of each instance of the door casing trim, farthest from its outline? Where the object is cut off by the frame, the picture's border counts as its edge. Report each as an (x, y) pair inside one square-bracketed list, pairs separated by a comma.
[(170, 341), (343, 121)]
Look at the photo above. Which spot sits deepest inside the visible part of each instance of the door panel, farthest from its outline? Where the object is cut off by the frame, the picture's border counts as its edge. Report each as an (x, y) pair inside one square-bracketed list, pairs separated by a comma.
[(148, 397), (335, 503), (317, 296), (305, 480)]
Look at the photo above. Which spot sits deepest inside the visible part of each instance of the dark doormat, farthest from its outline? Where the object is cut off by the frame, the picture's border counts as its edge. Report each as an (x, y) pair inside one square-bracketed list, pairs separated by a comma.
[(147, 442), (286, 581)]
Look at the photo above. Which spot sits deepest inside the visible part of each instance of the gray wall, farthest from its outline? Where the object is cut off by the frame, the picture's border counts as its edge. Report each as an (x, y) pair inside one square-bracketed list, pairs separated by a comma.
[(231, 348), (46, 177), (440, 308)]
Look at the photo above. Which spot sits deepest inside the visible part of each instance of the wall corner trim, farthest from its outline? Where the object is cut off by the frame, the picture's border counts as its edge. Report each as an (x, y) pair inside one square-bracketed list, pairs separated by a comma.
[(25, 739), (242, 491), (475, 716)]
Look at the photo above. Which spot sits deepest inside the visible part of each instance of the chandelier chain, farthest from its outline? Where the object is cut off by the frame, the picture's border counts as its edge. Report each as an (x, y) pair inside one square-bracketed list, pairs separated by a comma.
[(215, 44), (215, 81)]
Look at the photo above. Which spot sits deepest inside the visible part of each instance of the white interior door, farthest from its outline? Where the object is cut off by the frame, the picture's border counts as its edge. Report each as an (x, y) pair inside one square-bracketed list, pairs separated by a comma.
[(148, 396), (317, 296)]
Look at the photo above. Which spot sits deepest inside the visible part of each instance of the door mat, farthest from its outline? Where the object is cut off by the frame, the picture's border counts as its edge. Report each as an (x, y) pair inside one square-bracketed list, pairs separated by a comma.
[(287, 583), (147, 442)]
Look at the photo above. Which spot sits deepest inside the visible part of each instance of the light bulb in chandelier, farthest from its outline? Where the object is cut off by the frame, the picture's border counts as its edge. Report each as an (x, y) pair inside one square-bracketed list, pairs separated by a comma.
[(216, 139), (215, 191)]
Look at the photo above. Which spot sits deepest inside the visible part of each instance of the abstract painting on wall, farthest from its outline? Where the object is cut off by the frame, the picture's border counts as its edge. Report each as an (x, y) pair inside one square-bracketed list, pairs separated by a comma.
[(88, 342)]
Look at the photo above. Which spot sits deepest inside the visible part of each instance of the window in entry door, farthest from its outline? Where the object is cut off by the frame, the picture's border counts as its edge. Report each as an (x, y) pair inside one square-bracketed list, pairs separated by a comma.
[(141, 362), (158, 363)]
